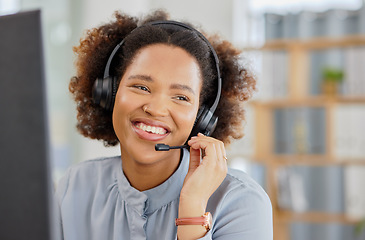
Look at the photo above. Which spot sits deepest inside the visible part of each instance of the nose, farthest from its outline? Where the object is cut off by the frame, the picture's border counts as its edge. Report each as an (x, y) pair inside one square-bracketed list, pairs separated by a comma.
[(157, 106)]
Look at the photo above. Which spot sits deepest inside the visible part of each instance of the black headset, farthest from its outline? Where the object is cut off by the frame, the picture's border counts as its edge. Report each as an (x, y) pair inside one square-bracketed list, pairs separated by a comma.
[(105, 89)]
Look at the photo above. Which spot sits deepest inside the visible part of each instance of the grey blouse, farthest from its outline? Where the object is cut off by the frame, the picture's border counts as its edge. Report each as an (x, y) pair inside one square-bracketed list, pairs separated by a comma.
[(96, 201)]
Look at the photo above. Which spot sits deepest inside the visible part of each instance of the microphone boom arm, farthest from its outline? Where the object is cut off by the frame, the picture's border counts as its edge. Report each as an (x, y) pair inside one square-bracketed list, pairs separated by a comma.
[(165, 147)]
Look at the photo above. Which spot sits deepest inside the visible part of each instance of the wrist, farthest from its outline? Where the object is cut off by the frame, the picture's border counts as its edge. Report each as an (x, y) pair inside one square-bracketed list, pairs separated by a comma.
[(193, 199), (193, 227), (205, 220), (190, 207)]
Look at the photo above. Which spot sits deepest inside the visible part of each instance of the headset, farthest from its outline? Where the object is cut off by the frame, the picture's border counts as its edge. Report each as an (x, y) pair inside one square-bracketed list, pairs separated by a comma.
[(104, 89)]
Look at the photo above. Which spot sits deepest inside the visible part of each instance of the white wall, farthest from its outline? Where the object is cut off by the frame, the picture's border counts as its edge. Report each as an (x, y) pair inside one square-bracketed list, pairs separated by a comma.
[(214, 15), (96, 12)]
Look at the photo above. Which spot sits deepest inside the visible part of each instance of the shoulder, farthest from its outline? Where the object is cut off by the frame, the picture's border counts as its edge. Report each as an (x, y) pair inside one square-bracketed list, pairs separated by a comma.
[(96, 166), (239, 184), (241, 208), (240, 190), (88, 175)]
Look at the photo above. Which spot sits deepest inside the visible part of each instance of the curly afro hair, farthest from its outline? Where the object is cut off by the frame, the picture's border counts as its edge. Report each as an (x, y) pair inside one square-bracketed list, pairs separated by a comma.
[(93, 52)]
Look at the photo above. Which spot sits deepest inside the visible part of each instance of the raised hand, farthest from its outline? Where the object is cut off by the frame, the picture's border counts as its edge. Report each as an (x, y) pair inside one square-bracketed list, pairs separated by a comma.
[(207, 170)]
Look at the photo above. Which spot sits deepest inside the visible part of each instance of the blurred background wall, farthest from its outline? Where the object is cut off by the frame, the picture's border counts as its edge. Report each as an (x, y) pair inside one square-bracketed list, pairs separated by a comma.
[(64, 23), (303, 144)]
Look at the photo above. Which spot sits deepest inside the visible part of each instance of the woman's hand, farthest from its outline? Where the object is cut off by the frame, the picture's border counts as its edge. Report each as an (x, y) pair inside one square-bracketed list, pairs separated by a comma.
[(207, 170)]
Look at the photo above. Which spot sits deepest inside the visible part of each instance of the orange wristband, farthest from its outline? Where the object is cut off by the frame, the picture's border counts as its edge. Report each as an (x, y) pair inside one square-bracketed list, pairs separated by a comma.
[(205, 221)]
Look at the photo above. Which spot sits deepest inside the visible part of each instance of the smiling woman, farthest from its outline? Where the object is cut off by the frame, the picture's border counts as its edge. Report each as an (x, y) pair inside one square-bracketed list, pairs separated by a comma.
[(167, 82), (167, 99)]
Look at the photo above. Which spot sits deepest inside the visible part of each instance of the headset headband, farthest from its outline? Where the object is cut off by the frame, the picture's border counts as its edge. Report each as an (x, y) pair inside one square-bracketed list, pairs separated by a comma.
[(182, 25)]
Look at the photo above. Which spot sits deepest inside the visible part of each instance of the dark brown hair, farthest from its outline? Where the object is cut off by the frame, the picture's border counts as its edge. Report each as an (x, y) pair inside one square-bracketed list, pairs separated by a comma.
[(94, 50)]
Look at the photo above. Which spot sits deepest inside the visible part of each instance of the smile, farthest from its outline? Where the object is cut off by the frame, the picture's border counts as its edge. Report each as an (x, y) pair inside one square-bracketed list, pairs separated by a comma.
[(151, 129)]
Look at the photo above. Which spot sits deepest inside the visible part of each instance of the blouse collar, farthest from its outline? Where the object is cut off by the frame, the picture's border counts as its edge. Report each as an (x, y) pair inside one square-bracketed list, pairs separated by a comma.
[(148, 201)]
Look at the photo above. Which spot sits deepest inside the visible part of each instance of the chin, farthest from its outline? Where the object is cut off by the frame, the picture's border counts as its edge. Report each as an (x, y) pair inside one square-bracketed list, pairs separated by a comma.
[(142, 153)]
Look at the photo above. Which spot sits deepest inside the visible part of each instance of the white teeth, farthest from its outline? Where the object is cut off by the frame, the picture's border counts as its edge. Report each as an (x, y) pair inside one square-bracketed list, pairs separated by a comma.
[(151, 129)]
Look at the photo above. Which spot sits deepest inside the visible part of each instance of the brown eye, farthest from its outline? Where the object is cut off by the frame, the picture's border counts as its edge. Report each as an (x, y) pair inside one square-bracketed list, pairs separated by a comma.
[(143, 88), (182, 98)]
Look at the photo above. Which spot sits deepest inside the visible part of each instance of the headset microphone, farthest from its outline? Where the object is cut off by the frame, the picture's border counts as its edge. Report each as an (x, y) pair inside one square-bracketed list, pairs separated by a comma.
[(164, 147)]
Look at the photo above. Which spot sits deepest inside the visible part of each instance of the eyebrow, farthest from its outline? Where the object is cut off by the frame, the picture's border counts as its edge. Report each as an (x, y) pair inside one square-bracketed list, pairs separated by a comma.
[(141, 77), (148, 78), (182, 87)]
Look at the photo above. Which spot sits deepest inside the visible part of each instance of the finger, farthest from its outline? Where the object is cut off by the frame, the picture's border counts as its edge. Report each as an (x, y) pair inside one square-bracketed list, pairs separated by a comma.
[(202, 137), (209, 148), (194, 158), (222, 155), (221, 152)]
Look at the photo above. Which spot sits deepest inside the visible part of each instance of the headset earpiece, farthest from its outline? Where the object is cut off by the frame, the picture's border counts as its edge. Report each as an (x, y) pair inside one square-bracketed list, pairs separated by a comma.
[(104, 91), (205, 122)]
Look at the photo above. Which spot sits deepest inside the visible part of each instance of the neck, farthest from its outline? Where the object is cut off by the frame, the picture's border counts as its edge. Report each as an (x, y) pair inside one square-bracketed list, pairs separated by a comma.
[(143, 176)]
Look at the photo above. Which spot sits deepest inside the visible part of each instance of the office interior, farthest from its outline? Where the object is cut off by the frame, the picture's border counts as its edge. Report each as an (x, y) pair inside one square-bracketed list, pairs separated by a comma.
[(304, 130)]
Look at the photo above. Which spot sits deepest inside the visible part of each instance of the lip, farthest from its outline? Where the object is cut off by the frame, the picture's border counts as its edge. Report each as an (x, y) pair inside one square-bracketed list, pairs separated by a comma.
[(150, 136)]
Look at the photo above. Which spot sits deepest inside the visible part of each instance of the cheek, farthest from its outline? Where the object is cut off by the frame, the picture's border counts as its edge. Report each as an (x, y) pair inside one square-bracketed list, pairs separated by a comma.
[(122, 107), (186, 119)]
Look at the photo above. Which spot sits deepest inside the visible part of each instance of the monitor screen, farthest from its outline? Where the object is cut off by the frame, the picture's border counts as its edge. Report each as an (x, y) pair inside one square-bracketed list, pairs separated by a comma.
[(25, 179)]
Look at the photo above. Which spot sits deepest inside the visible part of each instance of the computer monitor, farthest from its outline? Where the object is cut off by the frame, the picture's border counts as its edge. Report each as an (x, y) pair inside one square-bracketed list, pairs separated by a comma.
[(25, 179)]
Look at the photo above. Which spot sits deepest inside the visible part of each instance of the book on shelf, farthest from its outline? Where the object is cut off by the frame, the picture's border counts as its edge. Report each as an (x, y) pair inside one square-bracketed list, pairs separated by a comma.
[(291, 195), (311, 188), (339, 22), (349, 129), (273, 81), (299, 130), (324, 231), (355, 192), (352, 21), (273, 26), (290, 23), (361, 19), (354, 79), (309, 24)]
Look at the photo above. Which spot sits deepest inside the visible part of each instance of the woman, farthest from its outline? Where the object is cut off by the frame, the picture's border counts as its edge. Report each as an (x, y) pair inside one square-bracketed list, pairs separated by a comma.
[(161, 84)]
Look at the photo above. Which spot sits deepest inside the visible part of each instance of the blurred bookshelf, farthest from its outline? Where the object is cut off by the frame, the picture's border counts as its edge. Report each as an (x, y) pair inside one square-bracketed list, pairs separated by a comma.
[(309, 134)]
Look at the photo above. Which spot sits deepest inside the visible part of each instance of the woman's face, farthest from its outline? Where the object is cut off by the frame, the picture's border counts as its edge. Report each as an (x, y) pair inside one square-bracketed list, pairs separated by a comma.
[(157, 101)]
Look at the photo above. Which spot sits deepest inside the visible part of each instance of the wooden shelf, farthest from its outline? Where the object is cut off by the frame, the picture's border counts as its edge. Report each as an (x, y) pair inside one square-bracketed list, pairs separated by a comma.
[(350, 100), (298, 95), (315, 43), (349, 161), (309, 101), (315, 217), (305, 159), (313, 160)]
